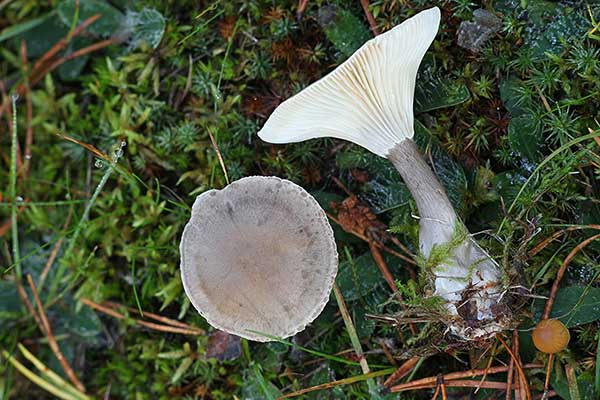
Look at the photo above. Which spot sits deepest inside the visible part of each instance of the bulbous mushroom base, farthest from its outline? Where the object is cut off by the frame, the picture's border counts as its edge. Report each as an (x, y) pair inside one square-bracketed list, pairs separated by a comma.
[(460, 272), (467, 279)]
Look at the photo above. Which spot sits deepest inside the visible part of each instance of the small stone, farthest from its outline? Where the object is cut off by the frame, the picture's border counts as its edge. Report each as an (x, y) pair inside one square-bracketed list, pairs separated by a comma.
[(472, 35)]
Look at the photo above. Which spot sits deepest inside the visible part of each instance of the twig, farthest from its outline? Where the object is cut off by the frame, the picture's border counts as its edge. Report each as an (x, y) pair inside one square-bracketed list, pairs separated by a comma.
[(523, 378), (436, 393), (342, 186), (402, 371), (387, 275), (38, 75), (379, 245), (156, 317), (47, 330), (25, 300), (387, 352), (455, 375), (300, 10), (151, 325), (561, 272), (519, 389), (329, 385), (365, 6), (511, 363), (402, 246), (547, 380), (487, 368), (482, 354), (395, 240), (443, 387), (542, 245), (37, 67), (62, 43), (459, 383), (382, 265), (54, 252)]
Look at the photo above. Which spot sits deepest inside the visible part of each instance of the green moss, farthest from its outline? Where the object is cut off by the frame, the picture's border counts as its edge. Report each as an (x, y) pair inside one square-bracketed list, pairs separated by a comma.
[(440, 253)]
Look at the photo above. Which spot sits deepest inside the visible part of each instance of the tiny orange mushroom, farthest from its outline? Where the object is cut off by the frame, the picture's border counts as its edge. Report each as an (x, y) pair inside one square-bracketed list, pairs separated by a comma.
[(551, 336)]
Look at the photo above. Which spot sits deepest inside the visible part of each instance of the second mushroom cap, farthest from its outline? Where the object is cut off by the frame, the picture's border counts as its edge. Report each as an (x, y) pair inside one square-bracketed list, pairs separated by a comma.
[(258, 257)]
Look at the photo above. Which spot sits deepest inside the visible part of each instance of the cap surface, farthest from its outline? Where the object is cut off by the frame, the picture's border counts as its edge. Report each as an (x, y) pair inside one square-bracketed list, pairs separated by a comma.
[(258, 256), (368, 99)]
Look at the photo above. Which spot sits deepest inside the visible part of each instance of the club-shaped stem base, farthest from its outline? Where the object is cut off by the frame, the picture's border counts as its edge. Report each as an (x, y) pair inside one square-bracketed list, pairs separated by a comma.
[(467, 278)]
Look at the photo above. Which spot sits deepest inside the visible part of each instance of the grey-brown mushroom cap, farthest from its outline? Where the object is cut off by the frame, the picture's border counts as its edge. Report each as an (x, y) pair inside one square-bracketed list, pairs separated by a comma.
[(258, 257)]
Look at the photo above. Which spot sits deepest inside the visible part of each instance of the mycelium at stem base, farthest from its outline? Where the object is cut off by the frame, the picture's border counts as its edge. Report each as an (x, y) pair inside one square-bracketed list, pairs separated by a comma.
[(460, 271)]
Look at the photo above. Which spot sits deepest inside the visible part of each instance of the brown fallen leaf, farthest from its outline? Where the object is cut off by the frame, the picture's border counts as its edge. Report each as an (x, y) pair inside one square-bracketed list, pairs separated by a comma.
[(223, 346), (355, 216)]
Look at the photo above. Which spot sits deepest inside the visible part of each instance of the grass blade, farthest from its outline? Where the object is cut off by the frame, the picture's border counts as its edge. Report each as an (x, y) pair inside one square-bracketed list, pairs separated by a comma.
[(13, 190)]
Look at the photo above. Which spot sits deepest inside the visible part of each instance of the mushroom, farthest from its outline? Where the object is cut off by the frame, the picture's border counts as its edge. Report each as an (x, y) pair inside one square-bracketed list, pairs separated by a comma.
[(368, 100), (258, 258), (550, 336)]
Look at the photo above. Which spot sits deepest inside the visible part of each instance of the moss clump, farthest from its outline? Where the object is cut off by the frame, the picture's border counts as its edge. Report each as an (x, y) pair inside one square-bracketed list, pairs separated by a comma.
[(440, 253)]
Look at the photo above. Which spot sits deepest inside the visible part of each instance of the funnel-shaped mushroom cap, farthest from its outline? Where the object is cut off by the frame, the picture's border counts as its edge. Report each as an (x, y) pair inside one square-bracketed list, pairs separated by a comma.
[(368, 99), (258, 256)]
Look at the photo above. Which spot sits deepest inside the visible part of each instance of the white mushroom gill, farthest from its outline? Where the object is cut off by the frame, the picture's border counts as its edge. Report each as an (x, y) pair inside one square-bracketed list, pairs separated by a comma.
[(258, 257), (368, 100)]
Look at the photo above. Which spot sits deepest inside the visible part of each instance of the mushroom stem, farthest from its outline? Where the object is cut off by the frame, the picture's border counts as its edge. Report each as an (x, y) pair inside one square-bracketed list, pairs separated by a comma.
[(432, 201), (466, 277)]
